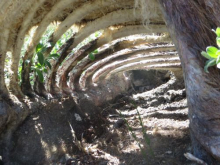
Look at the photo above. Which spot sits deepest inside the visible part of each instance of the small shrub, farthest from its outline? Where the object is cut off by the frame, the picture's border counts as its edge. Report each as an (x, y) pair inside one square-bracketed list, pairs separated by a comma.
[(42, 64), (212, 53), (92, 55)]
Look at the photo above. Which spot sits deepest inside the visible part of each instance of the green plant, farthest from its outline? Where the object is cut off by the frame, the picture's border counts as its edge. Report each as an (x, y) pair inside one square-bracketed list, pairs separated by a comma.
[(212, 53), (42, 64), (92, 55), (146, 138), (28, 38)]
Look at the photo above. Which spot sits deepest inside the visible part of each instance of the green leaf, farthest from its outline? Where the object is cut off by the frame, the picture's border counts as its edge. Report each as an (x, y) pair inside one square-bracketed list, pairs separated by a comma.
[(211, 50), (96, 34), (40, 75), (217, 31), (45, 70), (206, 55), (91, 56), (95, 51), (39, 47), (208, 64), (20, 69), (38, 65), (43, 49), (47, 63), (54, 56), (59, 43), (218, 60), (218, 41), (40, 58)]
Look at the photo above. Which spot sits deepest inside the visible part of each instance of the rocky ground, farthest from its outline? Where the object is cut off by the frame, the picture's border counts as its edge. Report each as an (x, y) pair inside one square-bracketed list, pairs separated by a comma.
[(47, 137)]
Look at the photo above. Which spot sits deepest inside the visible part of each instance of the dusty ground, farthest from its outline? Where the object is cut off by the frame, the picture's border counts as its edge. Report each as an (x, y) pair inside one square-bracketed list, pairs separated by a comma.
[(46, 137), (164, 114)]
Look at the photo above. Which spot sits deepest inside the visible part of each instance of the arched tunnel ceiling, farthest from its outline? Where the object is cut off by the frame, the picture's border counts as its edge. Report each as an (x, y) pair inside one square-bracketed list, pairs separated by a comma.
[(123, 43)]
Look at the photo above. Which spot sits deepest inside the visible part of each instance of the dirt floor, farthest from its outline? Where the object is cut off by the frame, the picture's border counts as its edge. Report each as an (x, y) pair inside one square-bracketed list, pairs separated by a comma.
[(163, 111), (50, 137)]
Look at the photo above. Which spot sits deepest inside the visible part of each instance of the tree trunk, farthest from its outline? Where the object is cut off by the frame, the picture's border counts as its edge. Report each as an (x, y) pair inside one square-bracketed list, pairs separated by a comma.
[(190, 23)]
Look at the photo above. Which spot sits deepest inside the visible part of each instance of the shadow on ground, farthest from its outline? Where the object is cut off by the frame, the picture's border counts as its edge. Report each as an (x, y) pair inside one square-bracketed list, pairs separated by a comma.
[(67, 135)]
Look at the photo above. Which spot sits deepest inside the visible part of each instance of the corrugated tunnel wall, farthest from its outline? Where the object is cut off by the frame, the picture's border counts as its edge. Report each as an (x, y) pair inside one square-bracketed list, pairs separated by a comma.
[(51, 49), (82, 42)]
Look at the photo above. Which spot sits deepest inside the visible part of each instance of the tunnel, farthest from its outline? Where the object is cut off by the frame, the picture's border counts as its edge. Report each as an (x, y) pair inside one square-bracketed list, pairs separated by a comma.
[(66, 65)]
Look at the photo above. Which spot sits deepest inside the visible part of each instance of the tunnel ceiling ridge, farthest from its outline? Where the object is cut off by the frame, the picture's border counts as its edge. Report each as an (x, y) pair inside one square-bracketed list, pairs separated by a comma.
[(105, 37)]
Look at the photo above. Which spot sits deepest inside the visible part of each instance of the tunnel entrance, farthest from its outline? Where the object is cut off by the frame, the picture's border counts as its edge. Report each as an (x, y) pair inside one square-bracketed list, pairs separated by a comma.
[(147, 79)]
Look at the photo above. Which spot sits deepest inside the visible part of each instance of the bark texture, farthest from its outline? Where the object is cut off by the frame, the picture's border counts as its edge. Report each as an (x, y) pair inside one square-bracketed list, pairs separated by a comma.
[(190, 23)]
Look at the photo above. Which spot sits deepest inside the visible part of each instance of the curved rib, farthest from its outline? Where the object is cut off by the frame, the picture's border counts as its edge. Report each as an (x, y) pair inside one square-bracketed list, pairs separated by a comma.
[(102, 62)]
